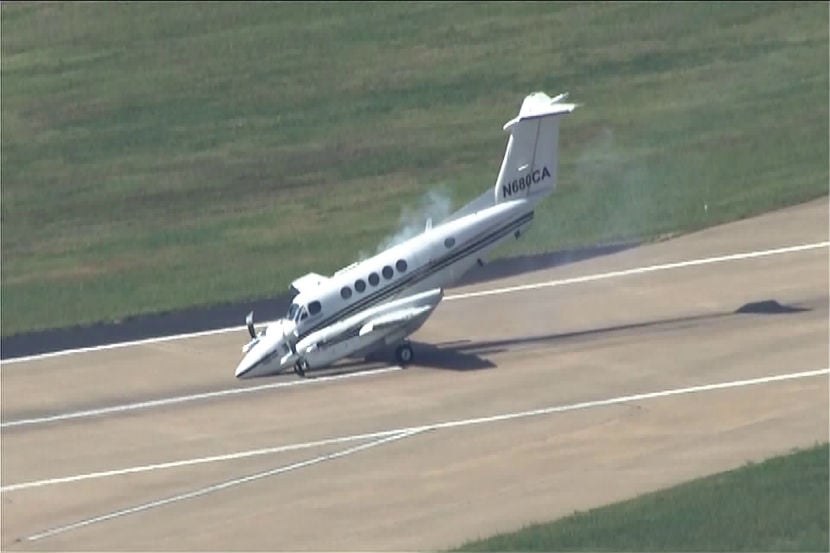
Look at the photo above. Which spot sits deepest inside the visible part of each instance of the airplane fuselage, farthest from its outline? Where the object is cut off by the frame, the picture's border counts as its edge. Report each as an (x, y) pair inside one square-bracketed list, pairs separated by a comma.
[(382, 300), (434, 259)]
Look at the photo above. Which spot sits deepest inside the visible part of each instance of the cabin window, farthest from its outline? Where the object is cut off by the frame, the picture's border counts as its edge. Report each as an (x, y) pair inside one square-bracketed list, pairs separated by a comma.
[(345, 292), (292, 312), (374, 279), (314, 307), (388, 272), (401, 266), (449, 242), (359, 285)]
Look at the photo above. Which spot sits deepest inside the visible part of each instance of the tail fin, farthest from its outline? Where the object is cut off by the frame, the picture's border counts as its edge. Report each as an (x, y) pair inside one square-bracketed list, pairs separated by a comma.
[(529, 166)]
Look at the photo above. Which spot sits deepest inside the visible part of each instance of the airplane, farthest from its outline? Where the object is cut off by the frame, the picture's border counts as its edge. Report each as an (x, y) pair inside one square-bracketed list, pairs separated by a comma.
[(377, 303)]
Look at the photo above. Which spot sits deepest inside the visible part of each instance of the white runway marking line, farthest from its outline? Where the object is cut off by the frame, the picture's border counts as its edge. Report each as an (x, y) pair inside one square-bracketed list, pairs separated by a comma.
[(208, 395), (199, 461), (194, 397), (638, 271), (436, 426), (576, 280), (104, 347), (235, 482)]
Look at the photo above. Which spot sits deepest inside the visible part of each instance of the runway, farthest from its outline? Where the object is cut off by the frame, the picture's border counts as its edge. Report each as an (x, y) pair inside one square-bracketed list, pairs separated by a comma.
[(556, 390)]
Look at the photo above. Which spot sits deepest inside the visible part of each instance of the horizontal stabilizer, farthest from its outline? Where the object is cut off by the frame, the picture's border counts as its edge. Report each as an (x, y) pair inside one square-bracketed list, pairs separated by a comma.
[(540, 104)]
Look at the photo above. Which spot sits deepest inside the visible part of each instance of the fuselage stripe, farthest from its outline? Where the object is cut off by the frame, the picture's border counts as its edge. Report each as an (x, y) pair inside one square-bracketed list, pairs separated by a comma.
[(423, 272)]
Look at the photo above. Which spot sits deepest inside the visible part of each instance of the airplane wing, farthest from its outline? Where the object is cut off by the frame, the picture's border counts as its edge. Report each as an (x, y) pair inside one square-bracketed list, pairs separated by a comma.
[(356, 329), (306, 282), (395, 318)]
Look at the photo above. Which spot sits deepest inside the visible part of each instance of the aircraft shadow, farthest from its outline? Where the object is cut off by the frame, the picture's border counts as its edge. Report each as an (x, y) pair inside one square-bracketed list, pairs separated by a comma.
[(496, 346), (467, 355), (426, 356), (454, 358), (488, 347)]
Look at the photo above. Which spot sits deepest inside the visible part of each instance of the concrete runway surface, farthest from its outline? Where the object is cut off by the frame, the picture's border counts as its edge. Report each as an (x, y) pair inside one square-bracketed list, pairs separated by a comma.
[(522, 406)]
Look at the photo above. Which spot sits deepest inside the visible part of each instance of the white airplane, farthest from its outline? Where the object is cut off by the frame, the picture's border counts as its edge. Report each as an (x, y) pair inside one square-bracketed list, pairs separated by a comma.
[(377, 303)]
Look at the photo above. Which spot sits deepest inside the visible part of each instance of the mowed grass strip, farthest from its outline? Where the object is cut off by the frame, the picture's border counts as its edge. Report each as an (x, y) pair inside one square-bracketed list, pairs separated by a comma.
[(163, 155), (778, 505)]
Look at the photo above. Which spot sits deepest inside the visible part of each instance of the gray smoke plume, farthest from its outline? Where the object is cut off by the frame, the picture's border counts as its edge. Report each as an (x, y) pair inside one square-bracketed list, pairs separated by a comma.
[(616, 186), (600, 160), (435, 204)]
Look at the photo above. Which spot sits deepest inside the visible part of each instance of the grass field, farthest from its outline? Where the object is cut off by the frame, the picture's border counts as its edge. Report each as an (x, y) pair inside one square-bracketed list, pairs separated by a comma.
[(778, 505), (156, 155)]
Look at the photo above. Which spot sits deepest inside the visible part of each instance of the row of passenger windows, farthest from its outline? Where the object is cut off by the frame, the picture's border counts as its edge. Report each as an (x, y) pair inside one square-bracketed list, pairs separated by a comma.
[(374, 279)]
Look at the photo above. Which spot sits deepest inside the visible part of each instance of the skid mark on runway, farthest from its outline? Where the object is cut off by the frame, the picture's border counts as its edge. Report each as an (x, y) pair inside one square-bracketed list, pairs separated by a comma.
[(563, 282), (385, 434), (224, 485)]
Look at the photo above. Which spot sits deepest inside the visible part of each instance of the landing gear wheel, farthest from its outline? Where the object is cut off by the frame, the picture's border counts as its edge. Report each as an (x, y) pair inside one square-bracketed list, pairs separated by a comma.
[(404, 354), (300, 368)]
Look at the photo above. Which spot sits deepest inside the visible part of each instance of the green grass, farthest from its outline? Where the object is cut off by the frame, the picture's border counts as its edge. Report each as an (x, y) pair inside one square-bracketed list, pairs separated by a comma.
[(161, 155), (778, 505)]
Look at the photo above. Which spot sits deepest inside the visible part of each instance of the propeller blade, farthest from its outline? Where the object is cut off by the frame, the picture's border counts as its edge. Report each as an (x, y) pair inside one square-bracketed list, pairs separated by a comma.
[(249, 321), (292, 345)]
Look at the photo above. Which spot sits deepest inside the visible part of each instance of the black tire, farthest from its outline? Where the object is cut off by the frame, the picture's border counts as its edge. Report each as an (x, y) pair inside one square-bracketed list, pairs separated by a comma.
[(404, 354), (300, 368)]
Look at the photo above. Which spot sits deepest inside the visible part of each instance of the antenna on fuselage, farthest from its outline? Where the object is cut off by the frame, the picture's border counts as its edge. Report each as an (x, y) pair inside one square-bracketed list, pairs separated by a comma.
[(429, 224)]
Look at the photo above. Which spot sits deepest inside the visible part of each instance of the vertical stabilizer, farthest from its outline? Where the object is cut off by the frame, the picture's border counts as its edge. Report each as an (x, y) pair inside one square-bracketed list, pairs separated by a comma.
[(529, 166)]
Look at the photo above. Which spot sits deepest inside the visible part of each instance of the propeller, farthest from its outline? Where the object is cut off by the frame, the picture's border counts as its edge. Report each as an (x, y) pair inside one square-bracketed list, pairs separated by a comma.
[(249, 321), (291, 345)]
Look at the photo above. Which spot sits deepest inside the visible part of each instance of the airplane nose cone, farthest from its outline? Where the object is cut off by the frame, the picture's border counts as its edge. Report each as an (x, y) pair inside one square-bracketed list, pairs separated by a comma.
[(245, 368), (252, 363), (260, 360)]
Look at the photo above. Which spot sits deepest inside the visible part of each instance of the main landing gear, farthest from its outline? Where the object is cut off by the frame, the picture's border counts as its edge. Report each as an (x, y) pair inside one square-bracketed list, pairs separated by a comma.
[(404, 354), (300, 367)]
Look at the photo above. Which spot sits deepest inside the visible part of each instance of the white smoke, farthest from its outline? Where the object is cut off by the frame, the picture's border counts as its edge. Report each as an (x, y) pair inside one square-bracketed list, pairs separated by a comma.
[(435, 205), (600, 160), (617, 186)]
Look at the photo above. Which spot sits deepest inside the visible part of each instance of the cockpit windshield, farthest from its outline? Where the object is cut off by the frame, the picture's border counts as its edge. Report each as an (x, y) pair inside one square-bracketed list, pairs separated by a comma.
[(293, 312)]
